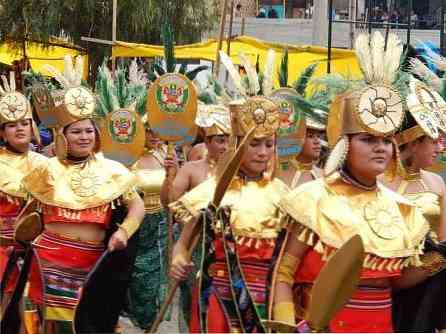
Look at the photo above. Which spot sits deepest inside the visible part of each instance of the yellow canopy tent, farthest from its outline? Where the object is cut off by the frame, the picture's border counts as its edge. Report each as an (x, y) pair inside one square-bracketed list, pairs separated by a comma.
[(343, 61), (39, 56)]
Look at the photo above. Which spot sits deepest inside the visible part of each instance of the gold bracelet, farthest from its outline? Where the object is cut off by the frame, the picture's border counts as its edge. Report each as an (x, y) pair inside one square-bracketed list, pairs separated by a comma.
[(433, 262), (287, 268), (130, 226)]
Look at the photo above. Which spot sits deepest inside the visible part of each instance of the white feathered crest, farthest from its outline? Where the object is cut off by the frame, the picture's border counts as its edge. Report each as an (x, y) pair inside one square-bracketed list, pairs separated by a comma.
[(8, 86), (72, 75), (379, 63), (136, 76), (253, 77)]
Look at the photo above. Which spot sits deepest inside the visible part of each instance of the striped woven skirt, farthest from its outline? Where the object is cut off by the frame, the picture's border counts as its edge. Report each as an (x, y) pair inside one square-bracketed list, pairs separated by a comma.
[(369, 310), (64, 264), (221, 317)]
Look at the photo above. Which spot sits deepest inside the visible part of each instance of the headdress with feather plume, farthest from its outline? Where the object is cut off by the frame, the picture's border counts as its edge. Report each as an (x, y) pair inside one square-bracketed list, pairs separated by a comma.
[(251, 109), (377, 108), (14, 106)]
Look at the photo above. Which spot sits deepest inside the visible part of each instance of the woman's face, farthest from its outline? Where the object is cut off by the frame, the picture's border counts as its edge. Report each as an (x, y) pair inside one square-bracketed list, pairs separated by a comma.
[(424, 151), (368, 156), (257, 156), (311, 150), (18, 134), (81, 138), (152, 141)]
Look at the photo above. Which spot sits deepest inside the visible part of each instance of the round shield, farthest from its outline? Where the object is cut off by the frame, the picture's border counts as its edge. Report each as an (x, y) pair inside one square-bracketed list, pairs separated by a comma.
[(291, 133), (172, 107), (122, 136)]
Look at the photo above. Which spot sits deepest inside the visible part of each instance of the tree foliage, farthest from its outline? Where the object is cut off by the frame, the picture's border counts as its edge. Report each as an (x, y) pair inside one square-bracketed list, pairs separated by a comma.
[(138, 21)]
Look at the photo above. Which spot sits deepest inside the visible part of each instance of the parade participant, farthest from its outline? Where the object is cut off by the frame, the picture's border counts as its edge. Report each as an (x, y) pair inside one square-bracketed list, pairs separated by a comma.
[(323, 214), (124, 100), (304, 168), (149, 279), (420, 143), (215, 124), (252, 223), (76, 191), (17, 130)]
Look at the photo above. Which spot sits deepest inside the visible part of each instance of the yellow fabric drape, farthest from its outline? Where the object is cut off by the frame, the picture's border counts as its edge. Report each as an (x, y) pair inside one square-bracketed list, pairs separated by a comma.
[(39, 56), (343, 61)]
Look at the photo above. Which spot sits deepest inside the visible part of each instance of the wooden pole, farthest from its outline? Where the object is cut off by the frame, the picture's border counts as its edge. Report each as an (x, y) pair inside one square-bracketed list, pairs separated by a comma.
[(114, 28), (228, 43), (242, 31), (220, 38)]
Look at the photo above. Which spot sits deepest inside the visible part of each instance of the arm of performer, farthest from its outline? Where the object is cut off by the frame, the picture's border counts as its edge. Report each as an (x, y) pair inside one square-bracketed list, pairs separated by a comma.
[(171, 190), (432, 263), (442, 225), (131, 222), (181, 266), (283, 297)]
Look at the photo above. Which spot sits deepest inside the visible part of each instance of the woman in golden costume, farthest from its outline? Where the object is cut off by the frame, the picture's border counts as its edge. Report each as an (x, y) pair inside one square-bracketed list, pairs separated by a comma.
[(149, 279), (76, 191), (17, 130), (244, 241), (321, 215), (420, 144)]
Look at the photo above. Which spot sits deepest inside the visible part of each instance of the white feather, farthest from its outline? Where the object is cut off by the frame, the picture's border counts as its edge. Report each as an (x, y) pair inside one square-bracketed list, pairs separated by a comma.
[(392, 58), (57, 75), (362, 49), (253, 78), (136, 77), (69, 69), (377, 45), (79, 70), (268, 72), (12, 81), (6, 84), (235, 75)]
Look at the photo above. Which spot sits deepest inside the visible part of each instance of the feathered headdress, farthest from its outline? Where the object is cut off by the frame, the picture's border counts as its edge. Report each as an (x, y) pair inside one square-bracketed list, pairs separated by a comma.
[(377, 107), (255, 83)]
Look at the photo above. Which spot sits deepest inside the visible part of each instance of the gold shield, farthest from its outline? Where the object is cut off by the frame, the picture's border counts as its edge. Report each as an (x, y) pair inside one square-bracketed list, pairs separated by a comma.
[(291, 133), (171, 108), (122, 136)]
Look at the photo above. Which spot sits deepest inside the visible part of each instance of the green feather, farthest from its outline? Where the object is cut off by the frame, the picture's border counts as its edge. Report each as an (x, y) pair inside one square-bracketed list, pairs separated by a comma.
[(169, 55), (302, 82), (283, 70)]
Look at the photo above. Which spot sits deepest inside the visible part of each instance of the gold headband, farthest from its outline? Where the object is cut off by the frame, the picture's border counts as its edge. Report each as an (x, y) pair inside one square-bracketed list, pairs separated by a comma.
[(410, 135)]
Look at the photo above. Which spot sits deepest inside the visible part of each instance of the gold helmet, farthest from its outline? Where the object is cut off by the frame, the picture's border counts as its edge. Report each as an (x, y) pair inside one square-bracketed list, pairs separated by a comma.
[(258, 112), (377, 107), (14, 106), (428, 109), (213, 119), (70, 104)]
